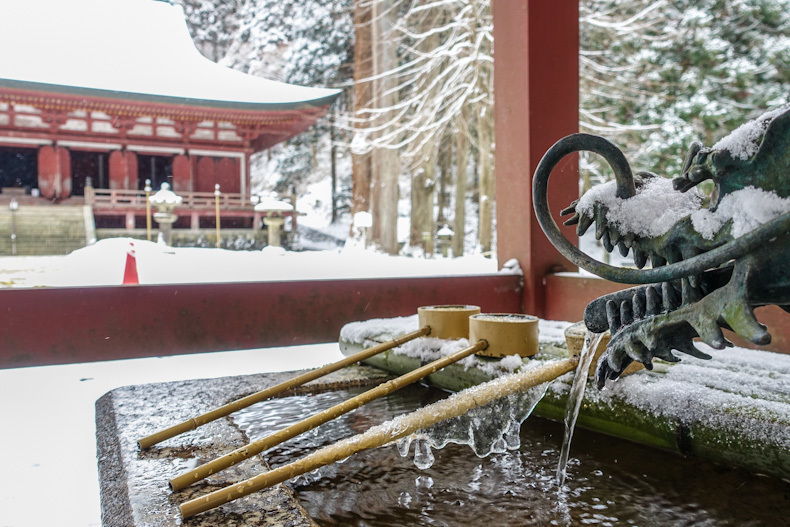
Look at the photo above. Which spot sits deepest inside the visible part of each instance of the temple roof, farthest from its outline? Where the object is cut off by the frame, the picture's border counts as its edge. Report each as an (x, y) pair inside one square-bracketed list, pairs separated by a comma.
[(135, 50)]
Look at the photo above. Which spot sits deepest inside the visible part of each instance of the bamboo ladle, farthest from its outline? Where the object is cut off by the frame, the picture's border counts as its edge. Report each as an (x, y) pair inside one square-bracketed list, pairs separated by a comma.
[(272, 391), (453, 406), (260, 445), (447, 322)]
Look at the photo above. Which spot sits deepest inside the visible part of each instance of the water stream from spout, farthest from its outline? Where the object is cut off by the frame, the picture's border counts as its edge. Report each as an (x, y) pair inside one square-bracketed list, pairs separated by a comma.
[(575, 398)]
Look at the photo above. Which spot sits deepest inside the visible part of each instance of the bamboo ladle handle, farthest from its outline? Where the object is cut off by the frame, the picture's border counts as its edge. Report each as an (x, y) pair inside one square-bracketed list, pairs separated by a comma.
[(262, 395)]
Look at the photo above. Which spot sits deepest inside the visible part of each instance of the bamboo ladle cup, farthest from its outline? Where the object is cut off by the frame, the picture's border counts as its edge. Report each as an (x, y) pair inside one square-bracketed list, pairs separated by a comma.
[(256, 447), (453, 406)]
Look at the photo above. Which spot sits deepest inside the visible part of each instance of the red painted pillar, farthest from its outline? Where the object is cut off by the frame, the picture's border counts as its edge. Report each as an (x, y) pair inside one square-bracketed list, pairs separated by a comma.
[(54, 172), (64, 163), (228, 175), (47, 171), (536, 96), (182, 174), (132, 171), (123, 170), (207, 174)]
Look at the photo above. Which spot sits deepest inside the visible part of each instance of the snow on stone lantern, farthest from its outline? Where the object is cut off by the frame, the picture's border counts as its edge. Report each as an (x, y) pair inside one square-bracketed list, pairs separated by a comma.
[(273, 211), (363, 221), (165, 201), (445, 237)]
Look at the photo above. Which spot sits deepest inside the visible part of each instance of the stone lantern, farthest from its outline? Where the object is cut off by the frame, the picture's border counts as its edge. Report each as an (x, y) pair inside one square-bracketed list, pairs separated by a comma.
[(445, 237), (165, 201), (273, 211)]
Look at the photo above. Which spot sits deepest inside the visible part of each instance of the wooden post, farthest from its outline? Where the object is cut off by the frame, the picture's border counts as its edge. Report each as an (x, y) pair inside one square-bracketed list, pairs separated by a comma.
[(536, 89), (148, 209), (217, 194)]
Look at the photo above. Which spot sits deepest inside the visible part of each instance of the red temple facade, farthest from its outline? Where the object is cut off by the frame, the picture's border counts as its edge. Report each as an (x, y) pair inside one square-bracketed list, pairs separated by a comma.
[(100, 99)]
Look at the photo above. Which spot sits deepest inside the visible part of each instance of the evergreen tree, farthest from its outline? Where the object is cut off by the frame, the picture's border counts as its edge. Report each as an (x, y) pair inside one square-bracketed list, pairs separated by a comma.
[(303, 42), (658, 75), (212, 24)]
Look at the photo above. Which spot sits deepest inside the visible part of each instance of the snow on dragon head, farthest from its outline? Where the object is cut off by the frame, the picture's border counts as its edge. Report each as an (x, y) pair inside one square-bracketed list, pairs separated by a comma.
[(711, 265)]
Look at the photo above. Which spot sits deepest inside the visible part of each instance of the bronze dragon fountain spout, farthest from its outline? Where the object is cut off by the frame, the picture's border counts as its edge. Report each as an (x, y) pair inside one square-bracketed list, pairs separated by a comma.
[(713, 259)]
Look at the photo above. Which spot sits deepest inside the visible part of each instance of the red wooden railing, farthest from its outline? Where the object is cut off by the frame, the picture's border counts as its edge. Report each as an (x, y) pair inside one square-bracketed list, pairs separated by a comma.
[(82, 324), (123, 199)]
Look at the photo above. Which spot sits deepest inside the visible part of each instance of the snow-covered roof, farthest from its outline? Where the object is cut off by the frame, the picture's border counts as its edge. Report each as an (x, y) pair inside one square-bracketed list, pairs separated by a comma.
[(140, 48)]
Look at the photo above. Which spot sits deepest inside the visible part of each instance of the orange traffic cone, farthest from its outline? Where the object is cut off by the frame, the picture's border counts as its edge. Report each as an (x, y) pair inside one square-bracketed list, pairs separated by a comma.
[(130, 273)]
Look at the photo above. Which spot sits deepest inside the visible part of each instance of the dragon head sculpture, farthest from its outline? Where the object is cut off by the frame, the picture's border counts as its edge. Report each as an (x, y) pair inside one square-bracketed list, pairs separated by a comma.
[(714, 259)]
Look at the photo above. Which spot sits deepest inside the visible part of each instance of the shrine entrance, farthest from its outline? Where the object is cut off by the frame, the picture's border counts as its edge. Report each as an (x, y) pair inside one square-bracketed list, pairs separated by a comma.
[(18, 167), (89, 164), (159, 169)]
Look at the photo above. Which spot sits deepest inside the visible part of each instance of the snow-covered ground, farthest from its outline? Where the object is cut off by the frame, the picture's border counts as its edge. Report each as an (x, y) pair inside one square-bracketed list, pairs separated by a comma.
[(48, 444), (103, 264)]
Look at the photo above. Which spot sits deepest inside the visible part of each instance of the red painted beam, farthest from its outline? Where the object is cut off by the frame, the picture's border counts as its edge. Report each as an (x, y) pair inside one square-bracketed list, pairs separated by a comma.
[(68, 325), (568, 294), (536, 93)]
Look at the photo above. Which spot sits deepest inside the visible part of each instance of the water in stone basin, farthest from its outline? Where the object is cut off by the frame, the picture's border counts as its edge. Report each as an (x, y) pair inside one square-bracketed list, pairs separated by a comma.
[(609, 481)]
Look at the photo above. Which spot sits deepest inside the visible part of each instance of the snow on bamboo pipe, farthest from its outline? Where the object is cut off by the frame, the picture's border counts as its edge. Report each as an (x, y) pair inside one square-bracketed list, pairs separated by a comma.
[(455, 405), (256, 447), (262, 395)]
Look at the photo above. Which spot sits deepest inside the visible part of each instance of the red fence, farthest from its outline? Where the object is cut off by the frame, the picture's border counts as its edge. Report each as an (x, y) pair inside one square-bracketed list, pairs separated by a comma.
[(119, 198), (68, 325)]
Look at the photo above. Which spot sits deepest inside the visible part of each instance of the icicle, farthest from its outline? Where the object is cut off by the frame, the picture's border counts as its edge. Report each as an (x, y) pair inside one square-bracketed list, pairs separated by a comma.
[(423, 457)]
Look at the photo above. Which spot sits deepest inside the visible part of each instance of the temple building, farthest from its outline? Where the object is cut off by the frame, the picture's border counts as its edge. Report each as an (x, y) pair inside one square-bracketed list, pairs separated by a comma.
[(114, 93)]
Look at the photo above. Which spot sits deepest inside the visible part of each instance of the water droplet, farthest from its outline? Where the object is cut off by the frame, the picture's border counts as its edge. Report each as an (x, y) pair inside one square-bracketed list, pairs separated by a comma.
[(423, 457)]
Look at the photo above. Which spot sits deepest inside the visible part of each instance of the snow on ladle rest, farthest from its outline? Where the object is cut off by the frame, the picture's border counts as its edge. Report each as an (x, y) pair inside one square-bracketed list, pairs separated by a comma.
[(712, 263)]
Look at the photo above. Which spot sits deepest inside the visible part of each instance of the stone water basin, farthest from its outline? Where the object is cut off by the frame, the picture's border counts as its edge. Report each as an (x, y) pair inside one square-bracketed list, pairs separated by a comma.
[(610, 481)]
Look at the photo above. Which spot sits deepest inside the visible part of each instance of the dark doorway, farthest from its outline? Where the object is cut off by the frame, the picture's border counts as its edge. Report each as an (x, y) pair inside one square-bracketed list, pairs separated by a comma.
[(18, 167), (94, 165), (159, 169)]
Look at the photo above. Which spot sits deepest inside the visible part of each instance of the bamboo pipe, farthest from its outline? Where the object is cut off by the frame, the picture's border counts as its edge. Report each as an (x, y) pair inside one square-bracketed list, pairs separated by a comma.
[(455, 405), (256, 447), (257, 397)]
